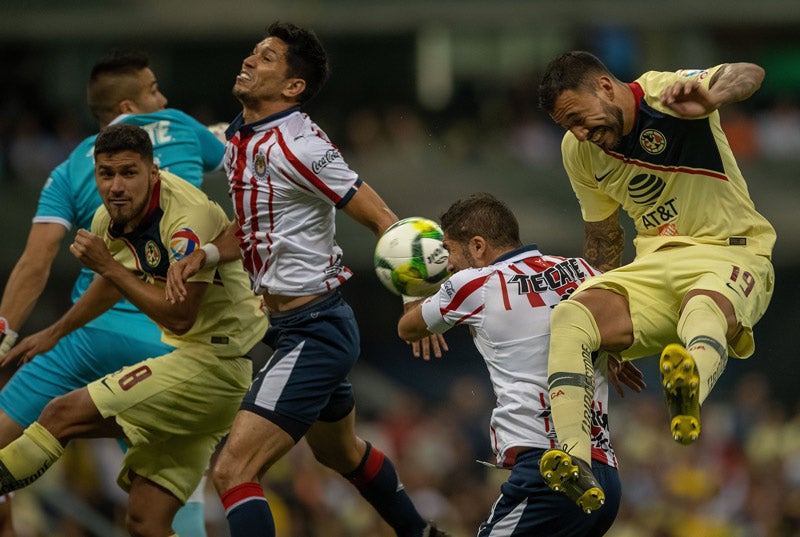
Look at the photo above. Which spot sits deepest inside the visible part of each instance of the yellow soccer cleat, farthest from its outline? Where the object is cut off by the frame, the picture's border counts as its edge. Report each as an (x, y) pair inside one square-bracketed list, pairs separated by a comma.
[(681, 383), (572, 477)]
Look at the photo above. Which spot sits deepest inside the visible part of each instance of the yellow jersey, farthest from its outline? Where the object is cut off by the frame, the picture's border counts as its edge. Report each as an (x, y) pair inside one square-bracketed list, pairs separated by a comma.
[(676, 178), (181, 218)]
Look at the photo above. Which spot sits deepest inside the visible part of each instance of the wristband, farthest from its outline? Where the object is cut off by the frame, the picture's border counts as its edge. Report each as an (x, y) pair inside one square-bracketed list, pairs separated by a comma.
[(409, 299), (212, 254)]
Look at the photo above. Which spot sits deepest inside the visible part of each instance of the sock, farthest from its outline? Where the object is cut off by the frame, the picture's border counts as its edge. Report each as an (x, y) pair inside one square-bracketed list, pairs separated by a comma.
[(247, 511), (377, 481), (702, 328), (25, 459), (570, 376)]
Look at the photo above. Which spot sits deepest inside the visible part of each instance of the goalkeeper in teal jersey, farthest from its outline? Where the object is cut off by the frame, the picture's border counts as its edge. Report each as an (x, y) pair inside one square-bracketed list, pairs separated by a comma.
[(121, 88)]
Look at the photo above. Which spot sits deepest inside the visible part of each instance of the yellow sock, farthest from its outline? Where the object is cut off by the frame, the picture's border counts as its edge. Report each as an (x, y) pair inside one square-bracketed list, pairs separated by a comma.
[(573, 337), (702, 328), (25, 459)]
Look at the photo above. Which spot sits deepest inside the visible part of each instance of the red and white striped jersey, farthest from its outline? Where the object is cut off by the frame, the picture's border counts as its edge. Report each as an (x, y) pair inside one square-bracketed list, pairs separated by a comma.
[(507, 307), (286, 179)]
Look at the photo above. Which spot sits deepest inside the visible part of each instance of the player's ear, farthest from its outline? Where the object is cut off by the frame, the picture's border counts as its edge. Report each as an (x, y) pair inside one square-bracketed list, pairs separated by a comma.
[(477, 246), (127, 106), (606, 87), (294, 88)]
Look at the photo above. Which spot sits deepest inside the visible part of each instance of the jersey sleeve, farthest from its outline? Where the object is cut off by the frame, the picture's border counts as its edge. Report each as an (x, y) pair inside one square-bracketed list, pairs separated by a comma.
[(595, 204), (54, 206), (315, 164), (212, 150), (460, 300), (191, 229)]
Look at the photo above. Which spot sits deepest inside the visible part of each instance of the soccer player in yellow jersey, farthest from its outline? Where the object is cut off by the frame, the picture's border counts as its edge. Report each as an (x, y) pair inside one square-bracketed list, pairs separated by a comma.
[(702, 275), (172, 410)]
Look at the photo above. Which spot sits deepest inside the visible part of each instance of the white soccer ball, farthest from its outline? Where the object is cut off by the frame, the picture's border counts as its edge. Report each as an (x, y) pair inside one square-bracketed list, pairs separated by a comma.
[(410, 258)]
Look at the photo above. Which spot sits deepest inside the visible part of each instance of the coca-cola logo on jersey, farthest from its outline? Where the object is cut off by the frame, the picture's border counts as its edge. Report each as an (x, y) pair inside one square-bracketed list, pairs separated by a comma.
[(319, 164)]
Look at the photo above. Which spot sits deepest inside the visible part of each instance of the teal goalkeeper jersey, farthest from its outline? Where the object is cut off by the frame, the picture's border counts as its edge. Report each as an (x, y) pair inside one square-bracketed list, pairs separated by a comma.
[(181, 145)]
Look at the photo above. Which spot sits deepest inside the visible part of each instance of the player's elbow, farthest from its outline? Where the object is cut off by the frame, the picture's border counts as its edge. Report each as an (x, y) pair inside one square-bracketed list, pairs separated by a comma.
[(179, 326)]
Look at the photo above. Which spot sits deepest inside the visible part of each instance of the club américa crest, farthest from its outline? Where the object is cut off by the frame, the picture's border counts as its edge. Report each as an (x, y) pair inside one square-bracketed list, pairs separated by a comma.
[(152, 254), (653, 141)]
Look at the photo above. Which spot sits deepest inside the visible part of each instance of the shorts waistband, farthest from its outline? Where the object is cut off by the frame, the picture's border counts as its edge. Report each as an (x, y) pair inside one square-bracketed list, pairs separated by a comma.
[(329, 295)]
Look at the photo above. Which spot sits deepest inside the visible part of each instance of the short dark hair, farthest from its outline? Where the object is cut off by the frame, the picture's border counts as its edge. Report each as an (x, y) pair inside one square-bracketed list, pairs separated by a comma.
[(306, 56), (569, 71), (105, 89), (124, 137), (484, 215)]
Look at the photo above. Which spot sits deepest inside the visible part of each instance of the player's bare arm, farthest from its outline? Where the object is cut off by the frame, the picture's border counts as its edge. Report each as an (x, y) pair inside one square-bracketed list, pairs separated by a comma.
[(92, 252), (731, 83), (368, 209), (604, 243), (227, 250), (412, 329), (29, 276), (98, 298)]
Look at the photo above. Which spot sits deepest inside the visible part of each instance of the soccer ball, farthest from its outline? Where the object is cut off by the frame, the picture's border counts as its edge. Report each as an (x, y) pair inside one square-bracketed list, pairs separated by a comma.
[(410, 258)]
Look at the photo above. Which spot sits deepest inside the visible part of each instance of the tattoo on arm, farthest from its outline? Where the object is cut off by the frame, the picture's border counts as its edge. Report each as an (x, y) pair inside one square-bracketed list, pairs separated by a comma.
[(736, 81), (605, 241)]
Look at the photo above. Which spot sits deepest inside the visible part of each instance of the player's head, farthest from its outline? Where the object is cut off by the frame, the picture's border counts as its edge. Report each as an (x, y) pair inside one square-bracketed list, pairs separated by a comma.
[(577, 91), (288, 66), (123, 83), (125, 173), (477, 229)]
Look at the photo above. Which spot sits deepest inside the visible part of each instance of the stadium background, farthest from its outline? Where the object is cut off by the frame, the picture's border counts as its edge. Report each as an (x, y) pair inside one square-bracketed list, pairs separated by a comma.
[(431, 101)]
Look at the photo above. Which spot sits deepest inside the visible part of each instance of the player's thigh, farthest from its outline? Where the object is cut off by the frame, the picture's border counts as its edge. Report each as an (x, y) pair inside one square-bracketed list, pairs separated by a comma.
[(188, 391), (78, 359), (252, 447)]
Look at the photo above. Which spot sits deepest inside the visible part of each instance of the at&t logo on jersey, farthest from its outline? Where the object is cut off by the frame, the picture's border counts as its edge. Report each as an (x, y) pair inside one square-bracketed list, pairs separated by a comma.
[(183, 242)]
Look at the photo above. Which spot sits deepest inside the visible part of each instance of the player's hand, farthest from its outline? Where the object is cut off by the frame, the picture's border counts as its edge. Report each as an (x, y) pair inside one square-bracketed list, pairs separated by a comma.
[(180, 272), (422, 348), (91, 251), (624, 372), (688, 99), (7, 337), (29, 347)]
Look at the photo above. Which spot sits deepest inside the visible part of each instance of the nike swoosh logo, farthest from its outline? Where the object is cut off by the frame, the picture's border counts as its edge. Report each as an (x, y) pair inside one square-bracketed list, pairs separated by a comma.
[(598, 179), (103, 382), (735, 290)]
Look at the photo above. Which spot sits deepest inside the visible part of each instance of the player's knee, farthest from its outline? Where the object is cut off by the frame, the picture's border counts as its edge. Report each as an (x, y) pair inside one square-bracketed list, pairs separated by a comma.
[(139, 524), (224, 476)]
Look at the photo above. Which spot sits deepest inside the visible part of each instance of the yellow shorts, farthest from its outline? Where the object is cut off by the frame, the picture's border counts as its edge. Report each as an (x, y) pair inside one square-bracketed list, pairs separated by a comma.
[(174, 409), (656, 283)]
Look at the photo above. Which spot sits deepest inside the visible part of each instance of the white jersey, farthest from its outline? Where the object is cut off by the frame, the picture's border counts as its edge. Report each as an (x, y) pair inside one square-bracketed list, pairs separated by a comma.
[(286, 180), (507, 307)]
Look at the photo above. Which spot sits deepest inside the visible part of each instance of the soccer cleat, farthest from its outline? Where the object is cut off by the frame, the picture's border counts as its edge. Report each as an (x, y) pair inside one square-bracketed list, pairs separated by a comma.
[(681, 383), (575, 479), (432, 531)]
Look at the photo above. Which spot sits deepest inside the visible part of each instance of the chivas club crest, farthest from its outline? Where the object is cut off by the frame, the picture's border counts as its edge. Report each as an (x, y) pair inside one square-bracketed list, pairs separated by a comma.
[(653, 141), (260, 166), (152, 255)]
